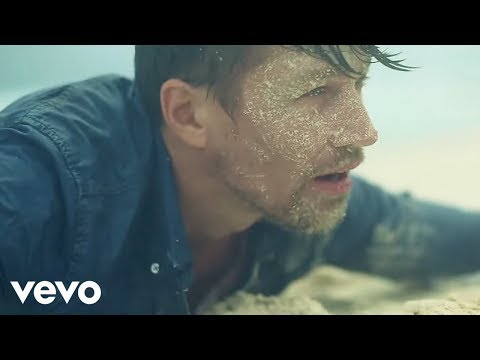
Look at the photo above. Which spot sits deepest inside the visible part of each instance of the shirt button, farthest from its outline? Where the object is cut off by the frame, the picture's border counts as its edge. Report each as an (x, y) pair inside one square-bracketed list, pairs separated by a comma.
[(155, 268)]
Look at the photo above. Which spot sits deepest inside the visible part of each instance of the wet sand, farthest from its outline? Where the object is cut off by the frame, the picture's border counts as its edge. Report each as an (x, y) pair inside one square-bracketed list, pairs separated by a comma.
[(330, 290)]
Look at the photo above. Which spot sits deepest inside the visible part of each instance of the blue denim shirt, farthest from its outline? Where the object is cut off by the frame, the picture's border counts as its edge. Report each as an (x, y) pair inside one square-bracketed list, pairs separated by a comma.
[(87, 193)]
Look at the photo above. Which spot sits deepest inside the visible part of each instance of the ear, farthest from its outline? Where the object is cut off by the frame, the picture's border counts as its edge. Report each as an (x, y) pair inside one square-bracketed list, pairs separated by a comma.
[(180, 108)]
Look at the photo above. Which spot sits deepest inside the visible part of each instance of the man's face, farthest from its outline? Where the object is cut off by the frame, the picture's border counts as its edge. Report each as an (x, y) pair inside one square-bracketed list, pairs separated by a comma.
[(296, 120)]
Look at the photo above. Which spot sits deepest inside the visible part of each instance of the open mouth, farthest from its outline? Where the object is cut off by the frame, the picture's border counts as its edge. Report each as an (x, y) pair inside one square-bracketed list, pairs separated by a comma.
[(333, 184), (336, 183)]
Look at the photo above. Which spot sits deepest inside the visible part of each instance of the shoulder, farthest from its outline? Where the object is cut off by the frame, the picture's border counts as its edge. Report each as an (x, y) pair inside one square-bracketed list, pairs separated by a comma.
[(66, 156), (97, 125)]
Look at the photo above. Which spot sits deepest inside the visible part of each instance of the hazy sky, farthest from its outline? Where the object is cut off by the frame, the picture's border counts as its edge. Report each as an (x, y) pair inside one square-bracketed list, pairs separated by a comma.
[(442, 96), (29, 66)]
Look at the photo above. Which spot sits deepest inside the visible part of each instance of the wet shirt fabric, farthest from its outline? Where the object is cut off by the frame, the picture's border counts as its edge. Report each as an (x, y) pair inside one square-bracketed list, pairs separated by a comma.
[(87, 193)]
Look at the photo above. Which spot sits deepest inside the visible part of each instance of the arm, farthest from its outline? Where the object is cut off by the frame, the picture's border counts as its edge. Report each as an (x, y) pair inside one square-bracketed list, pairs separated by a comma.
[(33, 216), (399, 236)]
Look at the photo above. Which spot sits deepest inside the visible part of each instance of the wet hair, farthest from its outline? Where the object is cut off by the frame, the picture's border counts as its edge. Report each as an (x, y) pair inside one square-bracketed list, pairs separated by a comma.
[(217, 67)]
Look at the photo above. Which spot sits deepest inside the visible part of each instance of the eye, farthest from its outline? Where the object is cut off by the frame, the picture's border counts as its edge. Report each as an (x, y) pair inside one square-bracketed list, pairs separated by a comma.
[(360, 83), (316, 92)]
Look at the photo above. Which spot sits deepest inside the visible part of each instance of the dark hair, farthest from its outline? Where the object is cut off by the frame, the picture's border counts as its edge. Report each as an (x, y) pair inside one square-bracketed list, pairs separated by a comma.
[(216, 66)]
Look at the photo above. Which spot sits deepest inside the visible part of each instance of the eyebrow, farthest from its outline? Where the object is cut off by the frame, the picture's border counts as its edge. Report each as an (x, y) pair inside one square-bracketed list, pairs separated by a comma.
[(329, 71)]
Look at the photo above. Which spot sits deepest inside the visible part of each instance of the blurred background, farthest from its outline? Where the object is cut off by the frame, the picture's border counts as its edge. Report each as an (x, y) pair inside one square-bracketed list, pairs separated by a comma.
[(428, 119)]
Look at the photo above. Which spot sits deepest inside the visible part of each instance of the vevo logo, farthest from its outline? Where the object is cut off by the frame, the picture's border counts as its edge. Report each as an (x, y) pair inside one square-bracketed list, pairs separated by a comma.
[(44, 289)]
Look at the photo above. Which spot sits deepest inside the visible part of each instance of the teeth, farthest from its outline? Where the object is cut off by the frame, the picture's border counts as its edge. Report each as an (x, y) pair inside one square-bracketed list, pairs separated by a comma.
[(333, 177)]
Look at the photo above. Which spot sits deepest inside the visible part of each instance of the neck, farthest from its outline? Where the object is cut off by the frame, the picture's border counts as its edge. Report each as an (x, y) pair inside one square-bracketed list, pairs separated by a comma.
[(212, 214), (214, 219)]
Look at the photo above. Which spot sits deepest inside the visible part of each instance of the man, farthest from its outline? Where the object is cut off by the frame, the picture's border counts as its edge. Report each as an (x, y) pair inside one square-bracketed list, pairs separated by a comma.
[(220, 168)]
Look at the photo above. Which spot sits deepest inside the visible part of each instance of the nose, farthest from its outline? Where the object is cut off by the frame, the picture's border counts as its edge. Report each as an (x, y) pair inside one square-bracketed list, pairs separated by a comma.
[(354, 126)]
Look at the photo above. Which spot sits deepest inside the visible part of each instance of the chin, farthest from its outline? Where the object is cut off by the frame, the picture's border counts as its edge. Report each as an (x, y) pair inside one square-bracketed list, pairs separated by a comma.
[(309, 219)]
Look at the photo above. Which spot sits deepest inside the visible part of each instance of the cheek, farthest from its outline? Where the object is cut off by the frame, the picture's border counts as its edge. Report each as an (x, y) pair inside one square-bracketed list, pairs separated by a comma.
[(302, 132), (252, 167), (300, 135), (294, 134), (273, 177)]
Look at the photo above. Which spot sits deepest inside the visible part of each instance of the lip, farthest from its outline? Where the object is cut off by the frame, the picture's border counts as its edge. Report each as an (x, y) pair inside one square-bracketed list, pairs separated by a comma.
[(343, 169), (335, 188)]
